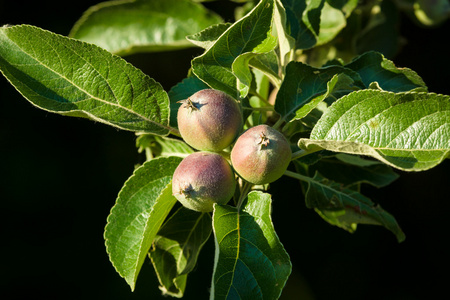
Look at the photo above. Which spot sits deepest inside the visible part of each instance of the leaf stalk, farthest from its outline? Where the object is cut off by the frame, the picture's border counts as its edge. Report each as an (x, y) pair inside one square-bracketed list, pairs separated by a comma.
[(297, 176)]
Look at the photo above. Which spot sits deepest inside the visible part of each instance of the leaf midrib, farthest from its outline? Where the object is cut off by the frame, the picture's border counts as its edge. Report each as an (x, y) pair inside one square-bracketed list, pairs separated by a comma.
[(78, 87), (187, 240), (364, 122), (238, 254), (381, 148), (126, 228)]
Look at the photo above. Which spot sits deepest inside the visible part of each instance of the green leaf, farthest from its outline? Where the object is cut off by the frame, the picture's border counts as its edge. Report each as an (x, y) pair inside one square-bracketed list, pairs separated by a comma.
[(74, 78), (176, 248), (141, 207), (351, 170), (162, 146), (316, 22), (249, 36), (207, 37), (373, 67), (303, 83), (339, 84), (346, 6), (304, 21), (261, 87), (332, 21), (285, 41), (125, 26), (241, 70), (250, 261), (268, 64), (172, 147), (409, 131), (346, 208)]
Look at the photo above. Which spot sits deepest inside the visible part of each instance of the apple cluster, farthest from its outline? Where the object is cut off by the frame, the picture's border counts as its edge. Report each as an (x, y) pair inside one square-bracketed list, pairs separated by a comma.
[(211, 121)]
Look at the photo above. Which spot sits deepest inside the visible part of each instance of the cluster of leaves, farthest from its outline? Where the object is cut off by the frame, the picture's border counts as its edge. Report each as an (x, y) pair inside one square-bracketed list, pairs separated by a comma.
[(304, 67)]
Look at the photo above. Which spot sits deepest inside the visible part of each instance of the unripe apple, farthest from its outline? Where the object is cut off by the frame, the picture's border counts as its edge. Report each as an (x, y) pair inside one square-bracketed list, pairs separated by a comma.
[(261, 155), (209, 120), (202, 179)]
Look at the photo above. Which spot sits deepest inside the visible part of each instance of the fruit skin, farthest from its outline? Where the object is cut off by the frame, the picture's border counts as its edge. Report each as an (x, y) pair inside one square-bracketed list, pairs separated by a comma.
[(261, 155), (202, 179), (209, 120)]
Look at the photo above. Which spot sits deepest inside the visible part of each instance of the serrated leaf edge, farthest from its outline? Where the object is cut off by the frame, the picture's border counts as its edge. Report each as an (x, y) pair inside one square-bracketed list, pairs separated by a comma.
[(113, 56), (352, 147), (108, 220)]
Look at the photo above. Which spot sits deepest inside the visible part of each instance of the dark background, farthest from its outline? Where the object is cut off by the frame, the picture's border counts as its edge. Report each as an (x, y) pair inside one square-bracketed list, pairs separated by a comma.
[(60, 177)]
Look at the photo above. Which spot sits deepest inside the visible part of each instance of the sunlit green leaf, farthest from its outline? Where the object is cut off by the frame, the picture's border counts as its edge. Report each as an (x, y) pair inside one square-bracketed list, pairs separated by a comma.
[(248, 36), (332, 21), (127, 26), (285, 41), (268, 64), (409, 131), (250, 262), (207, 37), (141, 207), (74, 78)]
